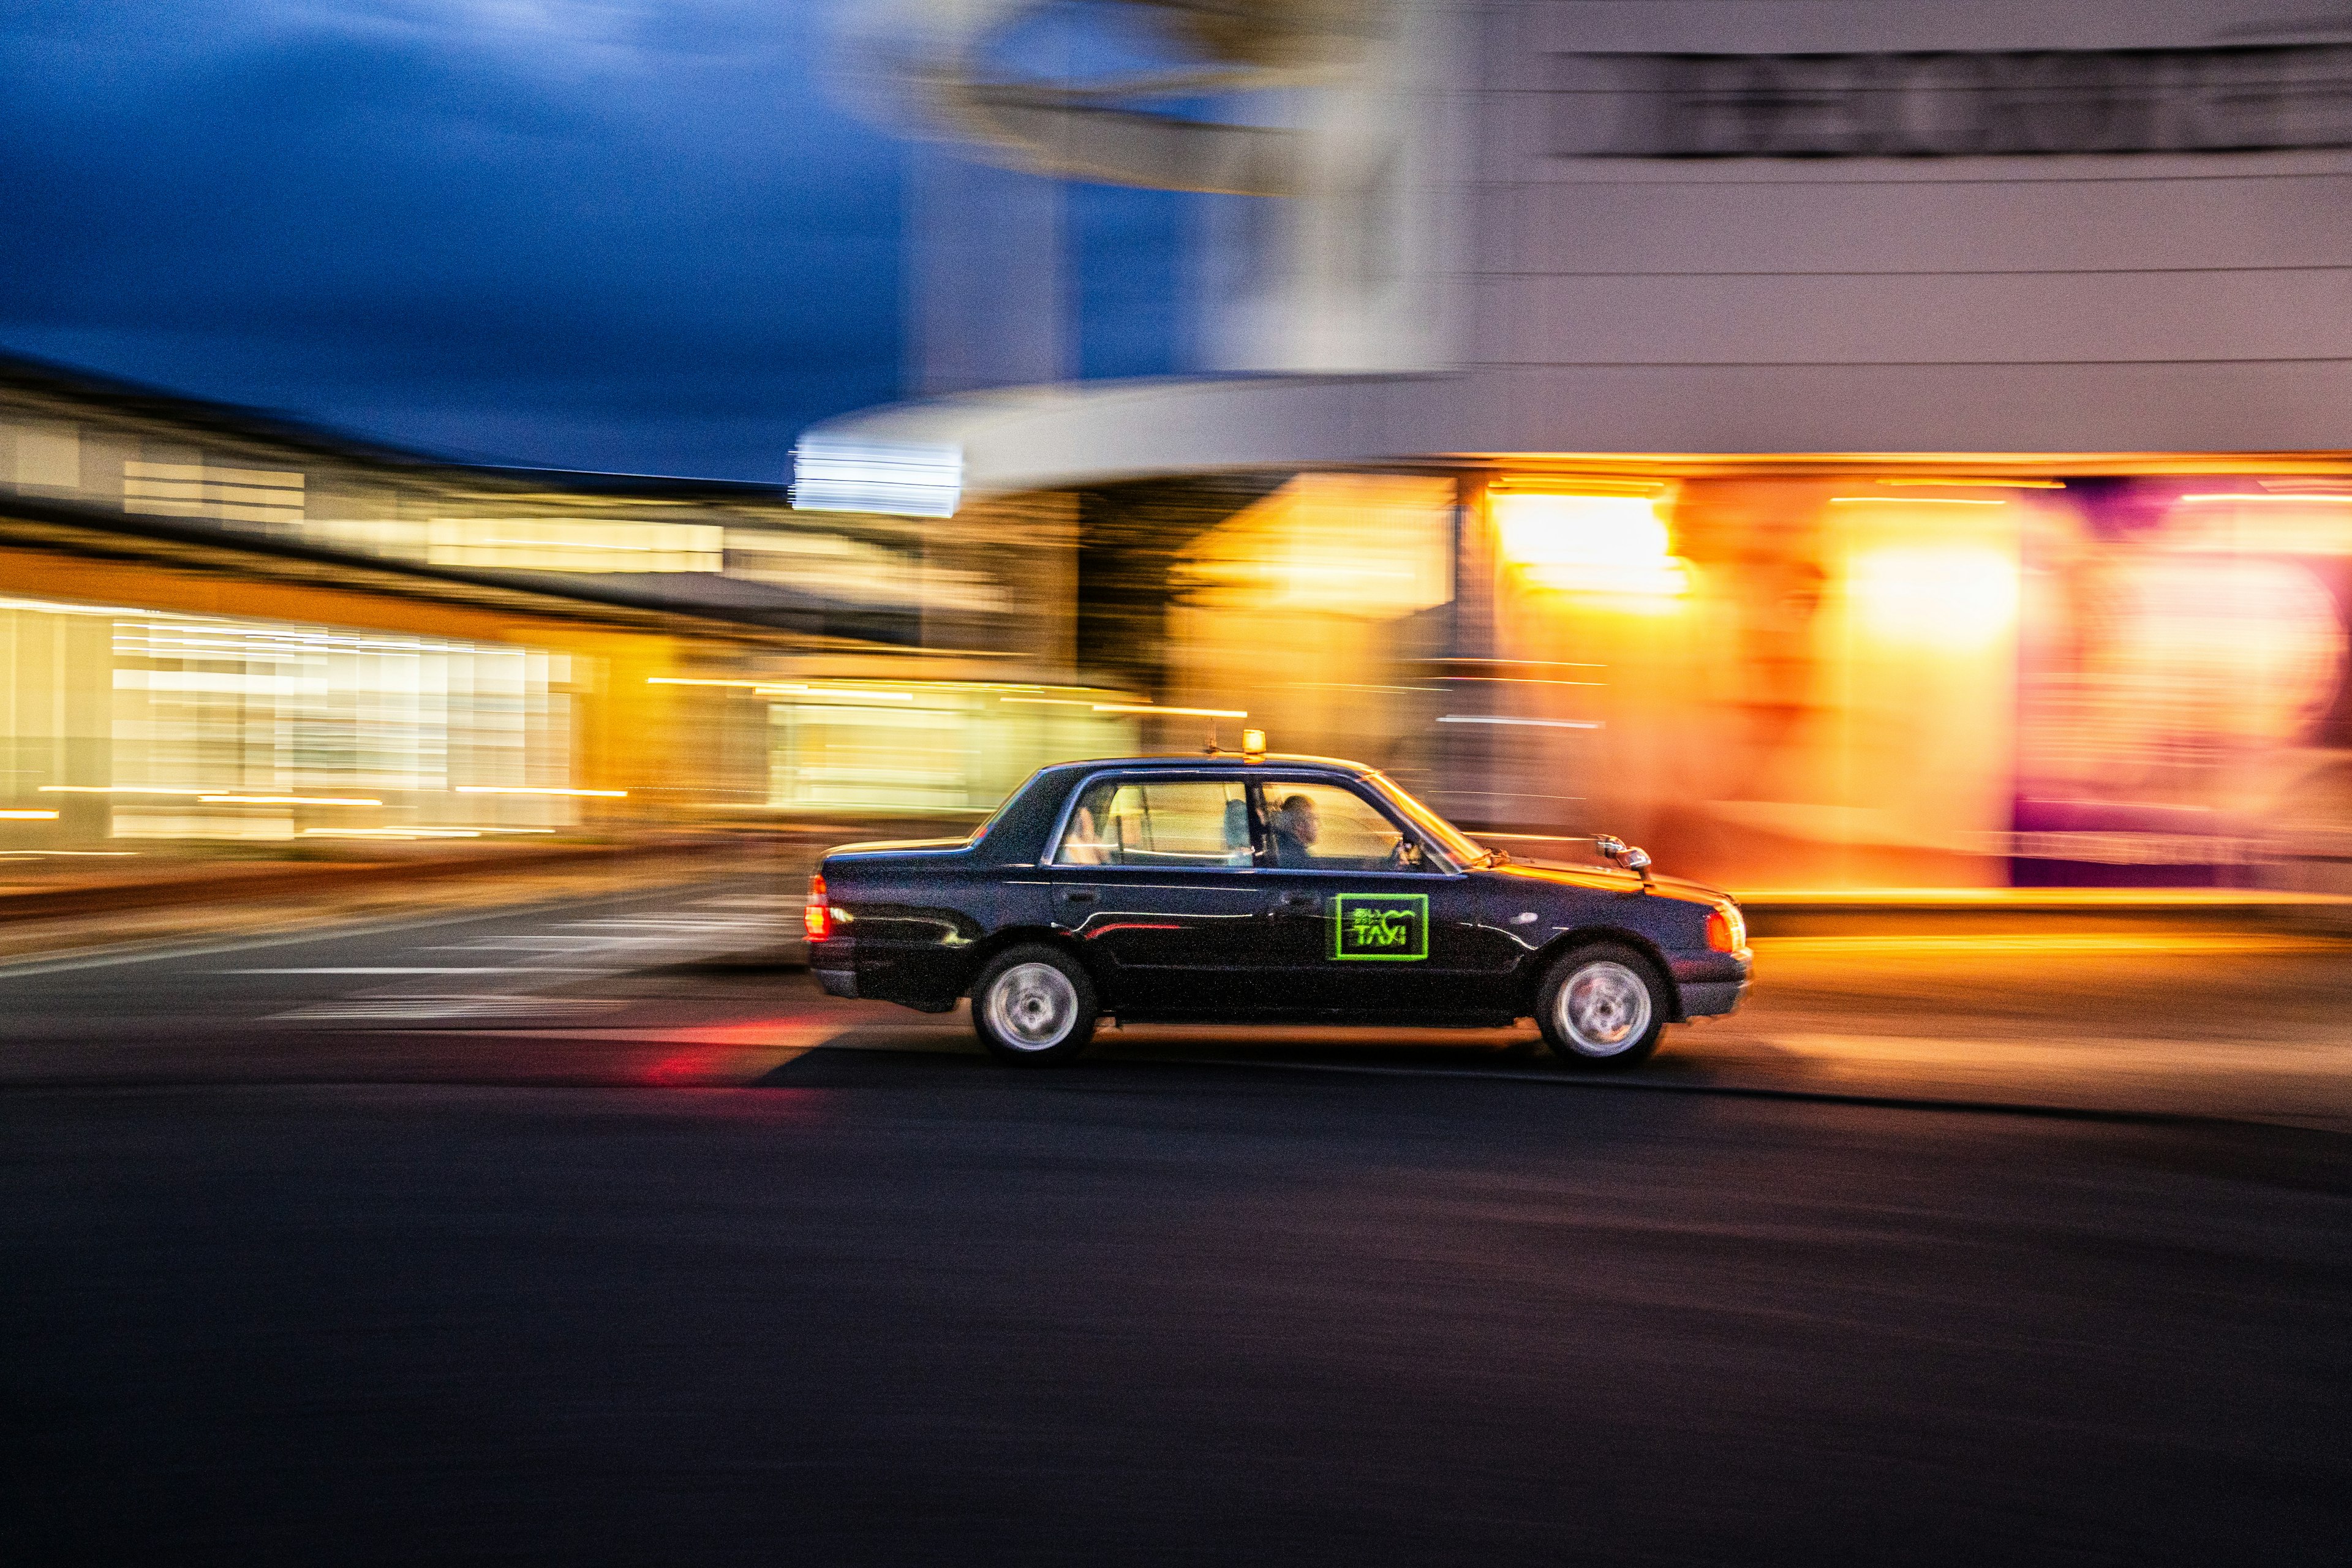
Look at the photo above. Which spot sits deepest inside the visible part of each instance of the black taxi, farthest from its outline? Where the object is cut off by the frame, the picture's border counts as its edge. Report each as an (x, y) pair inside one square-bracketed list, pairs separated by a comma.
[(1264, 888)]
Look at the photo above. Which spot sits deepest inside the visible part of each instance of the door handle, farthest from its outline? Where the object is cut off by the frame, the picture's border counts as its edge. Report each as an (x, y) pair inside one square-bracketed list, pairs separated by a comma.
[(1078, 896), (1296, 902)]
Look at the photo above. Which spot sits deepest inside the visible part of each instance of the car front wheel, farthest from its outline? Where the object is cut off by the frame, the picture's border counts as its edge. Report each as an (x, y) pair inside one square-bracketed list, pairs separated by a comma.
[(1602, 1007), (1034, 1006)]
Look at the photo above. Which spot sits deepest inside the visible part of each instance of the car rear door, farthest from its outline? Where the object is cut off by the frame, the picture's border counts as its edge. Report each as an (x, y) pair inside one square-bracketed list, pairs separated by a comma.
[(1155, 873)]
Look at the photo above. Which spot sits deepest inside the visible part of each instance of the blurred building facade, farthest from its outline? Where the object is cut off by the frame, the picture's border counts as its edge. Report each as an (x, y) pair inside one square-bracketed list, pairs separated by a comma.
[(1846, 443), (218, 628)]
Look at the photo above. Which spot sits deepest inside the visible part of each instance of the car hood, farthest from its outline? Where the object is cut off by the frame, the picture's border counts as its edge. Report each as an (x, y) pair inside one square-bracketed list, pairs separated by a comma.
[(1607, 879)]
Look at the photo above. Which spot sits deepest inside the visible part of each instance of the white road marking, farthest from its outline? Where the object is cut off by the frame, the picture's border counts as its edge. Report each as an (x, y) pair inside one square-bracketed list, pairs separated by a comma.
[(617, 943), (522, 944), (140, 952), (796, 1038), (499, 969), (396, 1009)]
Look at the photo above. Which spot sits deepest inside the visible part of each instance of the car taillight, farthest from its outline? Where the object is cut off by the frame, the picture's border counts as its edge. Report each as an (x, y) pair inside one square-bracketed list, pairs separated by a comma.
[(1727, 931), (818, 915)]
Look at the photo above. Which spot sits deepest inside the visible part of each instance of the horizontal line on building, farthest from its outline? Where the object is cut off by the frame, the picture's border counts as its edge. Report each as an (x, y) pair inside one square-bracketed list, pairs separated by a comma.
[(1717, 173), (1910, 272), (202, 473), (1875, 363)]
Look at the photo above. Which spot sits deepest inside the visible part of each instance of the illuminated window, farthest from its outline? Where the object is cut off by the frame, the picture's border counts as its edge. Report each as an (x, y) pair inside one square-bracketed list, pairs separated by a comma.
[(918, 747), (44, 455), (1374, 545), (200, 726), (1612, 545), (574, 544), (201, 489), (1936, 594)]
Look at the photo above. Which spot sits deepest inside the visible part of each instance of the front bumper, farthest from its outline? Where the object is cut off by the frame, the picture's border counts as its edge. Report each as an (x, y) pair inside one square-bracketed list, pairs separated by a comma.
[(1708, 985)]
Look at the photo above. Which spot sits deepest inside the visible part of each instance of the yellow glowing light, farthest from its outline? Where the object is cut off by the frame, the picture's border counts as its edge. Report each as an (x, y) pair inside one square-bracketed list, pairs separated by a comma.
[(284, 800), (394, 832), (2295, 497), (1374, 545), (1939, 596), (570, 544), (524, 789), (1608, 545), (112, 789), (1984, 484), (574, 544), (776, 690), (682, 680), (29, 816), (1186, 712)]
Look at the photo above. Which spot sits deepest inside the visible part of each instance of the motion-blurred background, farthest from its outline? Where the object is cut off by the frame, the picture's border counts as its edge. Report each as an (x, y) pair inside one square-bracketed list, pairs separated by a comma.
[(1889, 459), (1861, 449)]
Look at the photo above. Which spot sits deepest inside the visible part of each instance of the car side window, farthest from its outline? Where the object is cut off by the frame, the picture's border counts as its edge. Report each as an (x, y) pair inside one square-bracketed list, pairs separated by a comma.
[(1323, 828), (1195, 823)]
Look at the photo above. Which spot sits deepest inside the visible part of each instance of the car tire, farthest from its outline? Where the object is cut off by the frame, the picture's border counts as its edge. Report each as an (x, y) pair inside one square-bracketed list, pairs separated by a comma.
[(1032, 1007), (1602, 1007)]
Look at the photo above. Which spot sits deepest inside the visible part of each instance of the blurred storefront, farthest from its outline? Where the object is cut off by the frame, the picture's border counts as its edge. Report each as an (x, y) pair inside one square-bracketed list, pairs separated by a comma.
[(1856, 445), (1805, 680)]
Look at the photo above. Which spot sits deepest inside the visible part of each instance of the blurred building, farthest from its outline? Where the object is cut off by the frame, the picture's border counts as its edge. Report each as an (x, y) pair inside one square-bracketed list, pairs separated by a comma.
[(1846, 443), (217, 628)]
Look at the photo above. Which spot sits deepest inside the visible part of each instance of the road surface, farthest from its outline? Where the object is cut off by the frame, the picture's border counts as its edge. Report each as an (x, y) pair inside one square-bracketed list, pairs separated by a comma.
[(576, 1234)]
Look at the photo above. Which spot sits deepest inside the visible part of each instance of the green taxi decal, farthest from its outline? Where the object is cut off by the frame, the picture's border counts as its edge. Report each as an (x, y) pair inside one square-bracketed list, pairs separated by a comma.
[(1380, 925)]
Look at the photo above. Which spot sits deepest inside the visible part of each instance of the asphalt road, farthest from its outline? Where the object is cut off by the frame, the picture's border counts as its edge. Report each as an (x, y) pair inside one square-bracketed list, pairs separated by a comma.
[(574, 1235)]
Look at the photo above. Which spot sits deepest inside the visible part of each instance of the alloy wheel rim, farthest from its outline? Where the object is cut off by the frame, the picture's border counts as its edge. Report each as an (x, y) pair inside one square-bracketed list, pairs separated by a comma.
[(1032, 1007), (1604, 1009)]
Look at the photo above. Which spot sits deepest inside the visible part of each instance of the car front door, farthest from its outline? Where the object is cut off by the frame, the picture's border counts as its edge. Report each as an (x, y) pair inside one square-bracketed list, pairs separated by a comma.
[(1156, 875), (1364, 917)]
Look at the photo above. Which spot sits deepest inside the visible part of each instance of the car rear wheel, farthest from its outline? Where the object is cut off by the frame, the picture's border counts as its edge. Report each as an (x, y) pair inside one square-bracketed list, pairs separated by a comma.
[(1034, 1006), (1602, 1007)]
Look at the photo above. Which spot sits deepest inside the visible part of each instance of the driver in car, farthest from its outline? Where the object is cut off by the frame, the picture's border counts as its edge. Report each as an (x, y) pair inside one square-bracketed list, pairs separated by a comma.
[(1296, 827)]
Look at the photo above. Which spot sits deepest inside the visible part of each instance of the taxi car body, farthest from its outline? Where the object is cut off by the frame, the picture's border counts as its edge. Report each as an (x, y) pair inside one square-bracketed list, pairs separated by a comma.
[(1272, 888)]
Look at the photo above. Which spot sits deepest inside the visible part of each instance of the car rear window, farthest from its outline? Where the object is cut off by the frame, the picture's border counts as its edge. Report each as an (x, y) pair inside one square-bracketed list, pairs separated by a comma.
[(1195, 823)]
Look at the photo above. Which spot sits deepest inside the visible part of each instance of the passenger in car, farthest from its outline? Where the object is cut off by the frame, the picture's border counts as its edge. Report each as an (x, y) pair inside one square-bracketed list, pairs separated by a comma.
[(1080, 847), (1296, 828)]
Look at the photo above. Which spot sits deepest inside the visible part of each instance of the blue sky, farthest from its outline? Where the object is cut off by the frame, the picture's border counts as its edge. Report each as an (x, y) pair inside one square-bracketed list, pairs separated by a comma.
[(630, 235)]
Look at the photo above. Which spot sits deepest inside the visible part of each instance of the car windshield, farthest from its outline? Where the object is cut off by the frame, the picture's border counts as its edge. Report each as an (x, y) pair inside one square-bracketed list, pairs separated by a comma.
[(1458, 846)]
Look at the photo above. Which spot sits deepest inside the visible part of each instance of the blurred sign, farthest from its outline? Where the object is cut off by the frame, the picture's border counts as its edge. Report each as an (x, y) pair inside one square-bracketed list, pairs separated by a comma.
[(1380, 925), (1943, 104), (906, 479)]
